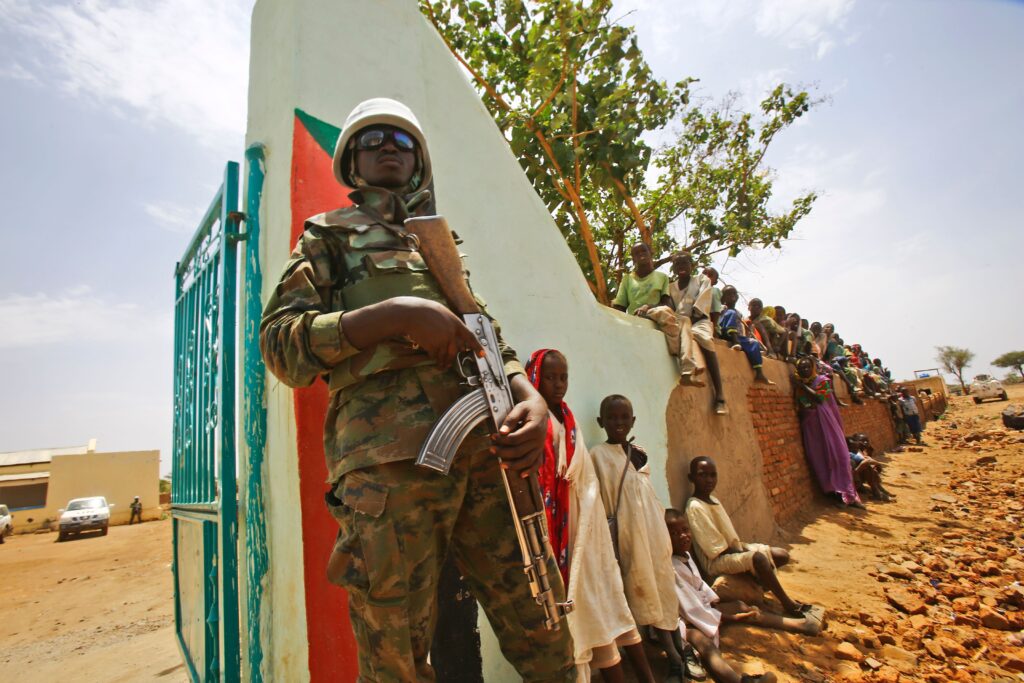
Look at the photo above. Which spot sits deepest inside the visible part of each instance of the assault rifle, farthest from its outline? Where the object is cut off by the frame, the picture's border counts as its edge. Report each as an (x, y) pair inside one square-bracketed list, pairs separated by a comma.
[(490, 398)]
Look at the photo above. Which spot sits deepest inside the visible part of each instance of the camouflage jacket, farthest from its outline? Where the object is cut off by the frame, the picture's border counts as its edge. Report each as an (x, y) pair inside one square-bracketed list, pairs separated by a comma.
[(384, 398)]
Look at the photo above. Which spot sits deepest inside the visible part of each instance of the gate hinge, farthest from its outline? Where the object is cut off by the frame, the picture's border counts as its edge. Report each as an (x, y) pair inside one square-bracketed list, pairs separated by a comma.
[(237, 217)]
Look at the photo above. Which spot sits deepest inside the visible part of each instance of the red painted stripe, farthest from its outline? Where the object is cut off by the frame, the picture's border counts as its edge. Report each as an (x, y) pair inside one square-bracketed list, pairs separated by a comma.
[(332, 647)]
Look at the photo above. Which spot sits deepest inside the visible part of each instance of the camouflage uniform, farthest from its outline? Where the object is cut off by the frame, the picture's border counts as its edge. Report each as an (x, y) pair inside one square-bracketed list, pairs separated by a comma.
[(398, 520)]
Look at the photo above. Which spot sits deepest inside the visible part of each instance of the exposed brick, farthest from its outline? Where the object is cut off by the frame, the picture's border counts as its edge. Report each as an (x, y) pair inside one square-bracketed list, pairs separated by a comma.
[(777, 424)]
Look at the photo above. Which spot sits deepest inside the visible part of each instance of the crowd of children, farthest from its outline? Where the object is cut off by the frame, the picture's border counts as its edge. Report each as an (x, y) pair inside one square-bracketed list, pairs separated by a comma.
[(633, 568), (624, 570)]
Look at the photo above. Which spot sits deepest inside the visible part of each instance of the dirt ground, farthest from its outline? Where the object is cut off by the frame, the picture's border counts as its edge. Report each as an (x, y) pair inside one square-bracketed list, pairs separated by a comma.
[(93, 608), (949, 549)]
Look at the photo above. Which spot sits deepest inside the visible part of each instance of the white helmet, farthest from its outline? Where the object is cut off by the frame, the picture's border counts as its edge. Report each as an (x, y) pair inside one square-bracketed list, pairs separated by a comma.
[(379, 110)]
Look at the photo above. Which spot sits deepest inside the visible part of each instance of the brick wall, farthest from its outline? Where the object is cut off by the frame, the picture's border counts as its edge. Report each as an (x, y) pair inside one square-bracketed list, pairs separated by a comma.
[(786, 475), (873, 418)]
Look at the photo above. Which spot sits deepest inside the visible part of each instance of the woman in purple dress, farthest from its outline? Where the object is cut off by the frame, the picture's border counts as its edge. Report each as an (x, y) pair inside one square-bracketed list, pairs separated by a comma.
[(822, 427)]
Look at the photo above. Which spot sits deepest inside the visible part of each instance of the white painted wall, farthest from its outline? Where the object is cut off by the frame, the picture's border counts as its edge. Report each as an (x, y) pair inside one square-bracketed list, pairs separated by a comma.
[(325, 56), (276, 53)]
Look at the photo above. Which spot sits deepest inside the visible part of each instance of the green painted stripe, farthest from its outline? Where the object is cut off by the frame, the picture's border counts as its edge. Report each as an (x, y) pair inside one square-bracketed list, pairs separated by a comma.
[(324, 133)]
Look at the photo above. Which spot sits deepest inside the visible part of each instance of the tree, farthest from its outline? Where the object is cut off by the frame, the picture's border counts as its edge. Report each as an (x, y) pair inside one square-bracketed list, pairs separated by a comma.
[(1013, 378), (570, 90), (1011, 359), (953, 360)]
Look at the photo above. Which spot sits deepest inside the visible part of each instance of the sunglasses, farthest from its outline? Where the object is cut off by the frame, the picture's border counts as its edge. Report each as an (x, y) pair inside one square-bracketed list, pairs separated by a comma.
[(376, 137)]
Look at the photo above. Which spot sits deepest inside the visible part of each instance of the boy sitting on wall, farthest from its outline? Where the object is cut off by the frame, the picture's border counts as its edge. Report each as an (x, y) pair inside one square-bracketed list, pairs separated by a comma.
[(734, 331), (691, 294), (770, 332), (645, 287), (717, 546)]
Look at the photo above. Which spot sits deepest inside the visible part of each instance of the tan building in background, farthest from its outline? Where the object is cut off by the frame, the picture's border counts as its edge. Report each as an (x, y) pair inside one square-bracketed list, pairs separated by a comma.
[(37, 484)]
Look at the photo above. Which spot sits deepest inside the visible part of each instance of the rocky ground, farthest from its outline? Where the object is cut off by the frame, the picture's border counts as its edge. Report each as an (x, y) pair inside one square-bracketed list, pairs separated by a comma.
[(926, 588)]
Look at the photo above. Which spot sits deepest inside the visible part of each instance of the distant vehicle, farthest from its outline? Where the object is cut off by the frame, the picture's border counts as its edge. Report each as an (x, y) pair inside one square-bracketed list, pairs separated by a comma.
[(84, 514), (987, 386), (6, 525)]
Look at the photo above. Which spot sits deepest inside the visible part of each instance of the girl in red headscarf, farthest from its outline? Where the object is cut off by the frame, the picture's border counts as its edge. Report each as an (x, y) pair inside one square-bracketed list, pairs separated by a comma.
[(578, 530)]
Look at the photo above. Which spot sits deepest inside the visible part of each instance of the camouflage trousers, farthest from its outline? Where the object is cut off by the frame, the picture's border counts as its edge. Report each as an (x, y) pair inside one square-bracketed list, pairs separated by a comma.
[(398, 521)]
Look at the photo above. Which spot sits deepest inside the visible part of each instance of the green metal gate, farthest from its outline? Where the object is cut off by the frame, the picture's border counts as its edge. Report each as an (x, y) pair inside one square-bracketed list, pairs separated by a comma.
[(204, 501)]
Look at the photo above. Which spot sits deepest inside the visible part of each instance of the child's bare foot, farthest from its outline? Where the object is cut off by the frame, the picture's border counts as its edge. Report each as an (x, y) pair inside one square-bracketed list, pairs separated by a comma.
[(736, 347), (721, 408), (760, 378), (688, 381)]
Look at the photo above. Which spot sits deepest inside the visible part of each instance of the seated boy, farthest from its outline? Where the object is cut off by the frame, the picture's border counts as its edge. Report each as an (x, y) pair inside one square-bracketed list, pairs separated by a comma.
[(718, 547), (866, 470), (645, 287), (716, 295), (701, 614), (691, 295), (770, 332), (734, 331)]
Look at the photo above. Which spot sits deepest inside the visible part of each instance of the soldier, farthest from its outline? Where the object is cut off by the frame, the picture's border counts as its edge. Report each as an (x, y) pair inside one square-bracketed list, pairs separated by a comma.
[(136, 511), (357, 306)]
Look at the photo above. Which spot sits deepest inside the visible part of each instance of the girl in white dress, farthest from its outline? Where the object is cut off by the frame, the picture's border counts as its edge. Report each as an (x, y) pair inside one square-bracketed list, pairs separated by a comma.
[(578, 531)]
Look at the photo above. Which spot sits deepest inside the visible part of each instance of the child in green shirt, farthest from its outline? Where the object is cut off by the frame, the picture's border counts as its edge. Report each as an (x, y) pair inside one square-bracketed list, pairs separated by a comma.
[(645, 287)]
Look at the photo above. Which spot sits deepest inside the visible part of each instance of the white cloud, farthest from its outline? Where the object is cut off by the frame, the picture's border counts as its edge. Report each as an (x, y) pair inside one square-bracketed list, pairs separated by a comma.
[(803, 23), (180, 62), (818, 25), (174, 217), (16, 72), (77, 315)]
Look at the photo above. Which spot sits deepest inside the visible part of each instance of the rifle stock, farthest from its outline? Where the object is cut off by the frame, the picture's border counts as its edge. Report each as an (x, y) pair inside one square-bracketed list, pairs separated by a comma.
[(439, 250)]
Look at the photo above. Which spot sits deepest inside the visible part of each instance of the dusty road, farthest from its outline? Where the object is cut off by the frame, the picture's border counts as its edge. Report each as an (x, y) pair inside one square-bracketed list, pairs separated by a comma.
[(94, 608), (949, 549)]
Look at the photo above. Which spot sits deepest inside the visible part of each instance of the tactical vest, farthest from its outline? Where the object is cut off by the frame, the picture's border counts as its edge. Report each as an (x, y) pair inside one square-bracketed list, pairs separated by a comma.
[(366, 261)]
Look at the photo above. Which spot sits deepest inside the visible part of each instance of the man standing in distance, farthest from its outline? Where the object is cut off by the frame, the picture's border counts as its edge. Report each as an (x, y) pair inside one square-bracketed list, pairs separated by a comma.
[(357, 305)]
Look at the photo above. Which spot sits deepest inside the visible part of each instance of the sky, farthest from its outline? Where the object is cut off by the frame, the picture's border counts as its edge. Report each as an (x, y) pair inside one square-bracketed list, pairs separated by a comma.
[(118, 118)]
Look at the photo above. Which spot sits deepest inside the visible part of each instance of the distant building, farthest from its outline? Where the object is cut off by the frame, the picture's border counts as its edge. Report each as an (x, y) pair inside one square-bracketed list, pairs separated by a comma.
[(37, 484)]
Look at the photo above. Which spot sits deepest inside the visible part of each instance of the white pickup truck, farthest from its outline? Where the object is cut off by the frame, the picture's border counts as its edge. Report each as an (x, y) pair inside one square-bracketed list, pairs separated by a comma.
[(6, 525), (987, 386), (84, 514)]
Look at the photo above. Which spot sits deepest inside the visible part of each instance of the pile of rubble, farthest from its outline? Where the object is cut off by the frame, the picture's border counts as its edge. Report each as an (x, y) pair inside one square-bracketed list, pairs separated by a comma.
[(971, 435), (956, 596)]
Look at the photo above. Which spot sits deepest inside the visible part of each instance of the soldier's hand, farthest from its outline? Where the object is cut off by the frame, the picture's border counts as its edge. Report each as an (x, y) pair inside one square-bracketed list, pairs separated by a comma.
[(428, 324), (436, 330), (520, 439)]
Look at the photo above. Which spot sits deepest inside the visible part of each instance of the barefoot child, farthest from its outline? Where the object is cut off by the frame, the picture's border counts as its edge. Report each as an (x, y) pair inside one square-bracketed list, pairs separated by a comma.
[(718, 547), (645, 551), (734, 331), (691, 293), (701, 614), (578, 530)]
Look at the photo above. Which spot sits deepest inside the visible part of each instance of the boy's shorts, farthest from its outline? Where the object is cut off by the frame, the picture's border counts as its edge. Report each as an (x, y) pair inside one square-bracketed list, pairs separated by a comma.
[(604, 656), (738, 563)]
